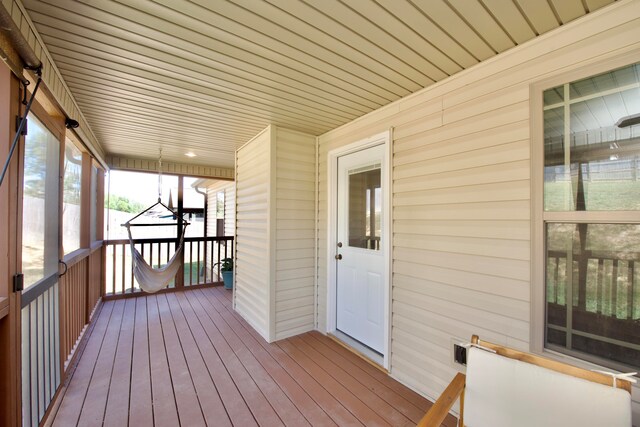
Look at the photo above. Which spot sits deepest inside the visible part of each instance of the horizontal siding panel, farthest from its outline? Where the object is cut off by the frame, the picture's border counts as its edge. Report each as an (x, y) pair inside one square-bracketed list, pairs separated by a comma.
[(305, 169), (286, 202), (506, 96), (297, 322), (295, 283), (287, 333), (289, 294), (295, 174), (476, 263), (286, 244), (254, 254), (293, 184), (297, 302), (298, 273), (418, 126), (296, 234), (503, 191), (500, 135), (303, 193), (503, 249), (250, 300), (298, 313), (295, 214), (293, 264), (284, 225), (504, 172), (491, 156), (512, 230), (494, 322), (507, 307), (420, 371), (458, 329), (475, 125), (292, 254), (490, 284), (509, 210)]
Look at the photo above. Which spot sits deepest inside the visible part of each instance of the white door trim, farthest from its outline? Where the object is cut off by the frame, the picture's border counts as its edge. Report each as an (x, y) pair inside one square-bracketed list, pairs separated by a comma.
[(383, 138)]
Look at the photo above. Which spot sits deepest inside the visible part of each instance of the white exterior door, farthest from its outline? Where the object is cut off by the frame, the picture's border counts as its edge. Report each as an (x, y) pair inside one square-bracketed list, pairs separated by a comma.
[(360, 252)]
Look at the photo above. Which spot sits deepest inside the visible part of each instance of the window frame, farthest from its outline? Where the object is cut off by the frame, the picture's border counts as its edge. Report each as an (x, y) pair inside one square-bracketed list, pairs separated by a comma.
[(70, 139), (539, 217)]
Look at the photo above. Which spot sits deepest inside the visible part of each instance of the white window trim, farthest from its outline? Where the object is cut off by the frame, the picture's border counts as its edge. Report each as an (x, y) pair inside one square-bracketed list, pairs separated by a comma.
[(536, 104)]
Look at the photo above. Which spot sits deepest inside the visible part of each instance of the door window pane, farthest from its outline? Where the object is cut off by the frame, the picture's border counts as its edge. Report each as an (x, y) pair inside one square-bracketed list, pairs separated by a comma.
[(593, 290), (71, 198), (40, 204), (365, 208)]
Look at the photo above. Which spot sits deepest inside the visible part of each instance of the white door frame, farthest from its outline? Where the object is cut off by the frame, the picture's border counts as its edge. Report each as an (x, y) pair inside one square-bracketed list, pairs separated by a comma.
[(383, 138)]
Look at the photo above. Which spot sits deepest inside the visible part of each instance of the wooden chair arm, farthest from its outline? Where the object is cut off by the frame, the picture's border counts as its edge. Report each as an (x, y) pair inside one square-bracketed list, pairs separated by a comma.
[(439, 411)]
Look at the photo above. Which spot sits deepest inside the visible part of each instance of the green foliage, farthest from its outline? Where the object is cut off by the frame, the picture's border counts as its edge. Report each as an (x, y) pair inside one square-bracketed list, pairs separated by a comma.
[(123, 204), (35, 160), (226, 264)]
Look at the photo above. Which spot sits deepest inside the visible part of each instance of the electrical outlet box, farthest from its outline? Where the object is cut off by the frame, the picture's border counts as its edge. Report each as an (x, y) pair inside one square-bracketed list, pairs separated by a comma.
[(460, 354)]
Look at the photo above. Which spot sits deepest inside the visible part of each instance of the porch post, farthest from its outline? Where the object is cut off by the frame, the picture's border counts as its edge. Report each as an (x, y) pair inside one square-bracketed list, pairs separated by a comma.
[(180, 277)]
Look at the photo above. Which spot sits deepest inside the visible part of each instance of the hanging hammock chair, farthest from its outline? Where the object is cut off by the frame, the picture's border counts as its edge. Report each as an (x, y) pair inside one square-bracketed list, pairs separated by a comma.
[(154, 279)]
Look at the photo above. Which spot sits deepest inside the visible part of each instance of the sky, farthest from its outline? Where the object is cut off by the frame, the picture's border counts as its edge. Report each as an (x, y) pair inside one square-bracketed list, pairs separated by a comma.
[(143, 188)]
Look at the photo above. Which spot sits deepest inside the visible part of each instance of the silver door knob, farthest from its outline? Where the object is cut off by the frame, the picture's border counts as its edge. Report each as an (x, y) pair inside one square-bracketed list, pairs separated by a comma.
[(339, 257)]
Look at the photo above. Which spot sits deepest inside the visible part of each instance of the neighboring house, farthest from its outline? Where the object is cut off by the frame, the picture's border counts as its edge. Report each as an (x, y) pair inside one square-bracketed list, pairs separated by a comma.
[(221, 205)]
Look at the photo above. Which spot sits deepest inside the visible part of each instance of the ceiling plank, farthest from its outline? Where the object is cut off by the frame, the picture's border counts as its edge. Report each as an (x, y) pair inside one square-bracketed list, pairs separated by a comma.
[(540, 15), (439, 11), (568, 10), (429, 31), (508, 14), (398, 30), (483, 24), (303, 37)]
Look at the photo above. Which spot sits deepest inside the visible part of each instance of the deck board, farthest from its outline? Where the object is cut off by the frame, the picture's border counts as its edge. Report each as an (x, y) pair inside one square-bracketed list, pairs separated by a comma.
[(140, 406), (165, 411), (73, 399), (118, 397), (95, 402), (187, 358), (208, 397)]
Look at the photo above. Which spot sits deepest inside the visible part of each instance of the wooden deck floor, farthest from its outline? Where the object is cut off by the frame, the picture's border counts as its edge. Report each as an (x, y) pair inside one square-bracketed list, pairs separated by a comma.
[(188, 359)]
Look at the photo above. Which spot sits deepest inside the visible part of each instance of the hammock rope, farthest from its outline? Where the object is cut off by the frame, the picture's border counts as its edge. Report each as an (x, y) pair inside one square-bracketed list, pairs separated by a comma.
[(154, 279)]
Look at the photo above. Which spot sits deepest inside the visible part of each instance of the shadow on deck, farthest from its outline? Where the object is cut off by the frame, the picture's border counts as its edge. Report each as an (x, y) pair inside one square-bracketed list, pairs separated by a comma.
[(186, 358)]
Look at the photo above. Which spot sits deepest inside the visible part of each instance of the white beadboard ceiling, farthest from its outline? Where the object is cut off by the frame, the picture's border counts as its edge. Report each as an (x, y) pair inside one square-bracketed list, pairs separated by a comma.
[(207, 75)]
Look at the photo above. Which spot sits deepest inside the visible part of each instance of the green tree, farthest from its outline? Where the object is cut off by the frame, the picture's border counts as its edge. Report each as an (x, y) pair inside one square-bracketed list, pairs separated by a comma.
[(123, 204)]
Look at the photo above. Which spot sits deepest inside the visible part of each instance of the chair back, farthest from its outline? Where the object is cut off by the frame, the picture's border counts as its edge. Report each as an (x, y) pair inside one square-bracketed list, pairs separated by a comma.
[(503, 391)]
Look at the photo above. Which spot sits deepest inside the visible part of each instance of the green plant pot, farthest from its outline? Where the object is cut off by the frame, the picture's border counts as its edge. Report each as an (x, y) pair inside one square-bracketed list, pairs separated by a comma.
[(227, 278)]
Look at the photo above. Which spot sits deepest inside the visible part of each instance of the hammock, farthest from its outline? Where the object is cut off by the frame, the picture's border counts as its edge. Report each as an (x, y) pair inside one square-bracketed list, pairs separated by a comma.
[(153, 279)]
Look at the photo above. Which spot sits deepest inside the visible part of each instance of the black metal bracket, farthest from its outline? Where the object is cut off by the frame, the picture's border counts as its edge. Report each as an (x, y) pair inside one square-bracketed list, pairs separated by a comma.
[(24, 127), (18, 282), (66, 268), (25, 83)]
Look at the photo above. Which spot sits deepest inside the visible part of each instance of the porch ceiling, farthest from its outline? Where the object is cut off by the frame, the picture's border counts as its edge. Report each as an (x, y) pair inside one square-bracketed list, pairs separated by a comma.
[(206, 76)]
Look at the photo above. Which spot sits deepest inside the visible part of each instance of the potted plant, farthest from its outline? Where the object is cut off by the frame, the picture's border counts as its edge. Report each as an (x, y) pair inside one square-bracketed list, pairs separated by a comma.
[(226, 267)]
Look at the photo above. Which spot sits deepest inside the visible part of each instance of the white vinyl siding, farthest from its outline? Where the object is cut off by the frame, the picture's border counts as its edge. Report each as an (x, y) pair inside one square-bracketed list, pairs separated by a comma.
[(230, 210), (295, 218), (275, 253), (252, 232), (461, 197)]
